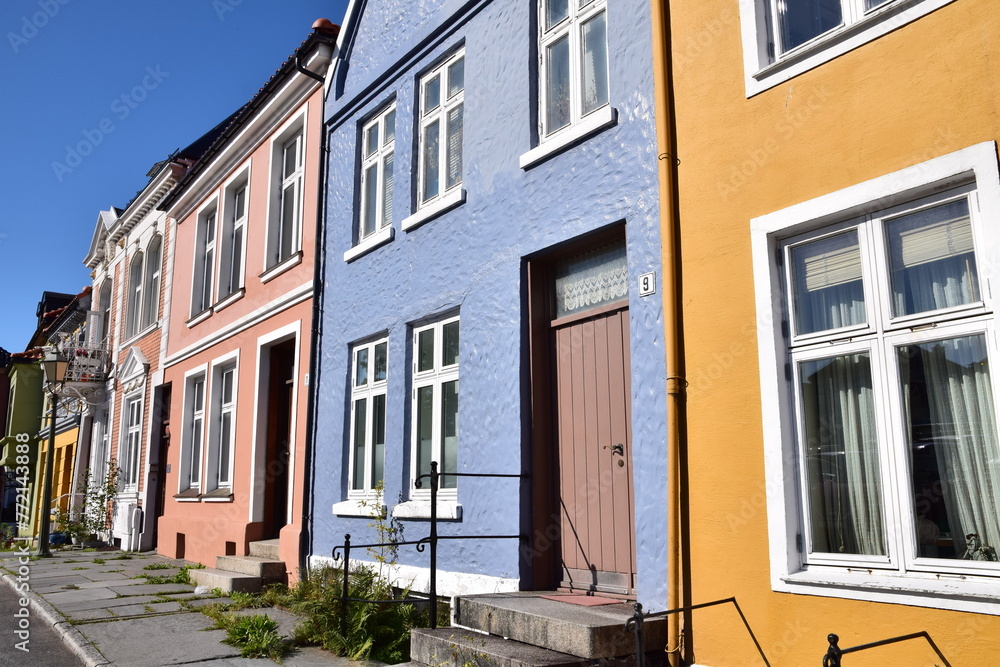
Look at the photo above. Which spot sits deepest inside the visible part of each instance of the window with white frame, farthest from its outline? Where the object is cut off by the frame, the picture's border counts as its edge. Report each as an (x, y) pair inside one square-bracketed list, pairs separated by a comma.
[(783, 38), (369, 375), (224, 430), (285, 228), (133, 309), (131, 441), (99, 448), (442, 93), (104, 304), (378, 137), (233, 240), (888, 428), (151, 282), (194, 431), (573, 73), (435, 400), (204, 264)]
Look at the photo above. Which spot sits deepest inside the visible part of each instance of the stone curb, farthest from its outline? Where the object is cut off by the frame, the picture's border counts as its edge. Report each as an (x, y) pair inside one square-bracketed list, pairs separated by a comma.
[(72, 637)]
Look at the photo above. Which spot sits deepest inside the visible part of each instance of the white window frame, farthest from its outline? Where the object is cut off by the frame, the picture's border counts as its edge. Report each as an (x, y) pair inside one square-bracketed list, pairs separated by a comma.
[(435, 377), (570, 27), (100, 447), (151, 274), (194, 412), (292, 132), (130, 446), (203, 278), (368, 391), (439, 116), (229, 268), (220, 476), (955, 585), (133, 309), (378, 157), (765, 65)]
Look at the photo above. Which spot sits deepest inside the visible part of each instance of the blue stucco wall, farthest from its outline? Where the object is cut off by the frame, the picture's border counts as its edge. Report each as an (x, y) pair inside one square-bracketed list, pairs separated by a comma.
[(470, 259)]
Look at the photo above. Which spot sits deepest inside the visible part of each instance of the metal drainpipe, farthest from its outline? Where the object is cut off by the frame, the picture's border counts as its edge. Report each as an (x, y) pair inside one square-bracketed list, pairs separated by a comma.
[(667, 168), (305, 535)]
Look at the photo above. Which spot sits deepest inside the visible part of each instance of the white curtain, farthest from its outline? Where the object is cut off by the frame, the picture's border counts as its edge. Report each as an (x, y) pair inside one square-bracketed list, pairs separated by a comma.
[(842, 456), (963, 431)]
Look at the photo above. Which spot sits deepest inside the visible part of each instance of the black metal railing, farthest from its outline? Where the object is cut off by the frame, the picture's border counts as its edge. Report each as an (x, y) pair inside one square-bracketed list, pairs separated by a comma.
[(634, 625), (834, 652), (430, 543)]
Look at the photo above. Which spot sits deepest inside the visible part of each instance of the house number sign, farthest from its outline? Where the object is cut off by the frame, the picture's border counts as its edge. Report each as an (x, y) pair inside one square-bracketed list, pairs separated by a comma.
[(647, 283)]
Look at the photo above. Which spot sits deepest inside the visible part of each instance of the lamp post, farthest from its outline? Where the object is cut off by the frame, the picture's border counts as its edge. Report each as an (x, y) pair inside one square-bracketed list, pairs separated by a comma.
[(54, 365)]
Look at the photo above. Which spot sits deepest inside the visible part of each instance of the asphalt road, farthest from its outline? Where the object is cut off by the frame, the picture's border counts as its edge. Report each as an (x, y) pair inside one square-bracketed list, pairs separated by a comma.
[(45, 647)]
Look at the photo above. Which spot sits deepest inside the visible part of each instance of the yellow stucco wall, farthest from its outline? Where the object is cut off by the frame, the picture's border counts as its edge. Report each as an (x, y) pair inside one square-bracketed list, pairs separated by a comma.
[(925, 90), (62, 470)]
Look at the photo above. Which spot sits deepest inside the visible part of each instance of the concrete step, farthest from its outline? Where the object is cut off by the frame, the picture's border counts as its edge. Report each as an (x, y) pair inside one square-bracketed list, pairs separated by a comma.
[(266, 549), (585, 632), (228, 582), (455, 647), (255, 566)]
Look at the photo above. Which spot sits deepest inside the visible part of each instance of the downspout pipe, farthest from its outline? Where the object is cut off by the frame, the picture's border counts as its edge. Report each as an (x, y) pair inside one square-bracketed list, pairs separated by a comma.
[(667, 173)]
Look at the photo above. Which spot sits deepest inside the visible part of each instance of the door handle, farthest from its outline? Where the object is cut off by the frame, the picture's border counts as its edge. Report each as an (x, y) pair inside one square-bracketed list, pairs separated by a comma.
[(618, 449)]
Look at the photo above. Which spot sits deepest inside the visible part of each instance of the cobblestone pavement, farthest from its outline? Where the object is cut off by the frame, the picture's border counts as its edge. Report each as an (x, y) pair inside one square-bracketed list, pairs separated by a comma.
[(116, 608)]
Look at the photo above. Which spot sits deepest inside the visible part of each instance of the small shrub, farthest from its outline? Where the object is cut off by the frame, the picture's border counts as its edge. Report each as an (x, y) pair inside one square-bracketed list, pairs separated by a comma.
[(98, 561), (256, 636), (157, 566)]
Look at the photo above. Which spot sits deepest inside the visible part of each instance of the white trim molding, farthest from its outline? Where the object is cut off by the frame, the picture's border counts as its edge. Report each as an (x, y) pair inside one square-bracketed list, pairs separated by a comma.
[(449, 584)]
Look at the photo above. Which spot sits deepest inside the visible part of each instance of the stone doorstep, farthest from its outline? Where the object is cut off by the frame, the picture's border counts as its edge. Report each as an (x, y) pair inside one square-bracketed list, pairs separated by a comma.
[(586, 632), (268, 549), (455, 647), (267, 569), (227, 582)]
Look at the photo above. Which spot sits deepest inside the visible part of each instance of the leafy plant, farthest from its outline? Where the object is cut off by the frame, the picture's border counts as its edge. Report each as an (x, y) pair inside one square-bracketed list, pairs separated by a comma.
[(256, 636), (7, 535), (157, 566)]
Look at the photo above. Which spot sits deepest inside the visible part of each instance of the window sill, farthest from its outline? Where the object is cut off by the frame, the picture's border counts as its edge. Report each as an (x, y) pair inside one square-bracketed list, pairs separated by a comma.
[(358, 507), (200, 317), (380, 237), (231, 299), (433, 210), (955, 592), (448, 510), (282, 266), (596, 122)]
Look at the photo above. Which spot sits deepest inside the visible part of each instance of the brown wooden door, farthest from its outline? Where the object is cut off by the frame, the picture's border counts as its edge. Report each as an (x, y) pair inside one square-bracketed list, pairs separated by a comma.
[(594, 440)]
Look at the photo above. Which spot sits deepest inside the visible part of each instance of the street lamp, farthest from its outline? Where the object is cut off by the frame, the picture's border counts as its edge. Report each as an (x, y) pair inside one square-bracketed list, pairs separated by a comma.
[(54, 365)]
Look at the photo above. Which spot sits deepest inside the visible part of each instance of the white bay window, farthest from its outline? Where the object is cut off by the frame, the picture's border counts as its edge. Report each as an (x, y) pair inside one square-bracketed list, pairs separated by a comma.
[(884, 350)]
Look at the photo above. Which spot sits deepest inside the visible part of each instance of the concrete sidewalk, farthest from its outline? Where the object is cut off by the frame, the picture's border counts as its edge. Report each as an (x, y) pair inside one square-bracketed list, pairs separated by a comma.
[(108, 614)]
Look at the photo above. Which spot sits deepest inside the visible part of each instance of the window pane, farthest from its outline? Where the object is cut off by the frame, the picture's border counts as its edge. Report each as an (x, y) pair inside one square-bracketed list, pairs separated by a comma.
[(425, 430), (952, 432), (827, 284), (289, 204), (425, 350), (449, 433), (239, 205), (361, 367), (371, 201), (210, 228), (449, 336), (195, 450), (381, 361), (801, 20), (432, 94), (557, 86), (237, 261), (555, 11), (431, 157), (931, 259), (227, 386), (456, 77), (206, 295), (454, 175), (387, 190), (371, 140), (595, 63), (591, 279), (224, 447), (390, 127), (378, 438), (291, 157), (841, 451), (871, 4), (360, 416)]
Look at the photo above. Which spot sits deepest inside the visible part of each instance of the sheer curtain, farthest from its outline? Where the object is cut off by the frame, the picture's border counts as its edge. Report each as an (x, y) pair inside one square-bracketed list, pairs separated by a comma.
[(828, 289), (842, 456), (952, 377)]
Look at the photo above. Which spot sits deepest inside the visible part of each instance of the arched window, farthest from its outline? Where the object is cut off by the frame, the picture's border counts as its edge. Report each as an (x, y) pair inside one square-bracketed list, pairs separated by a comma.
[(151, 283), (134, 306)]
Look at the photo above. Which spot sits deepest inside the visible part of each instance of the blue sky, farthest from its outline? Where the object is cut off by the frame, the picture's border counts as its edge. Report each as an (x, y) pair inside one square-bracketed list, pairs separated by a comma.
[(125, 82)]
